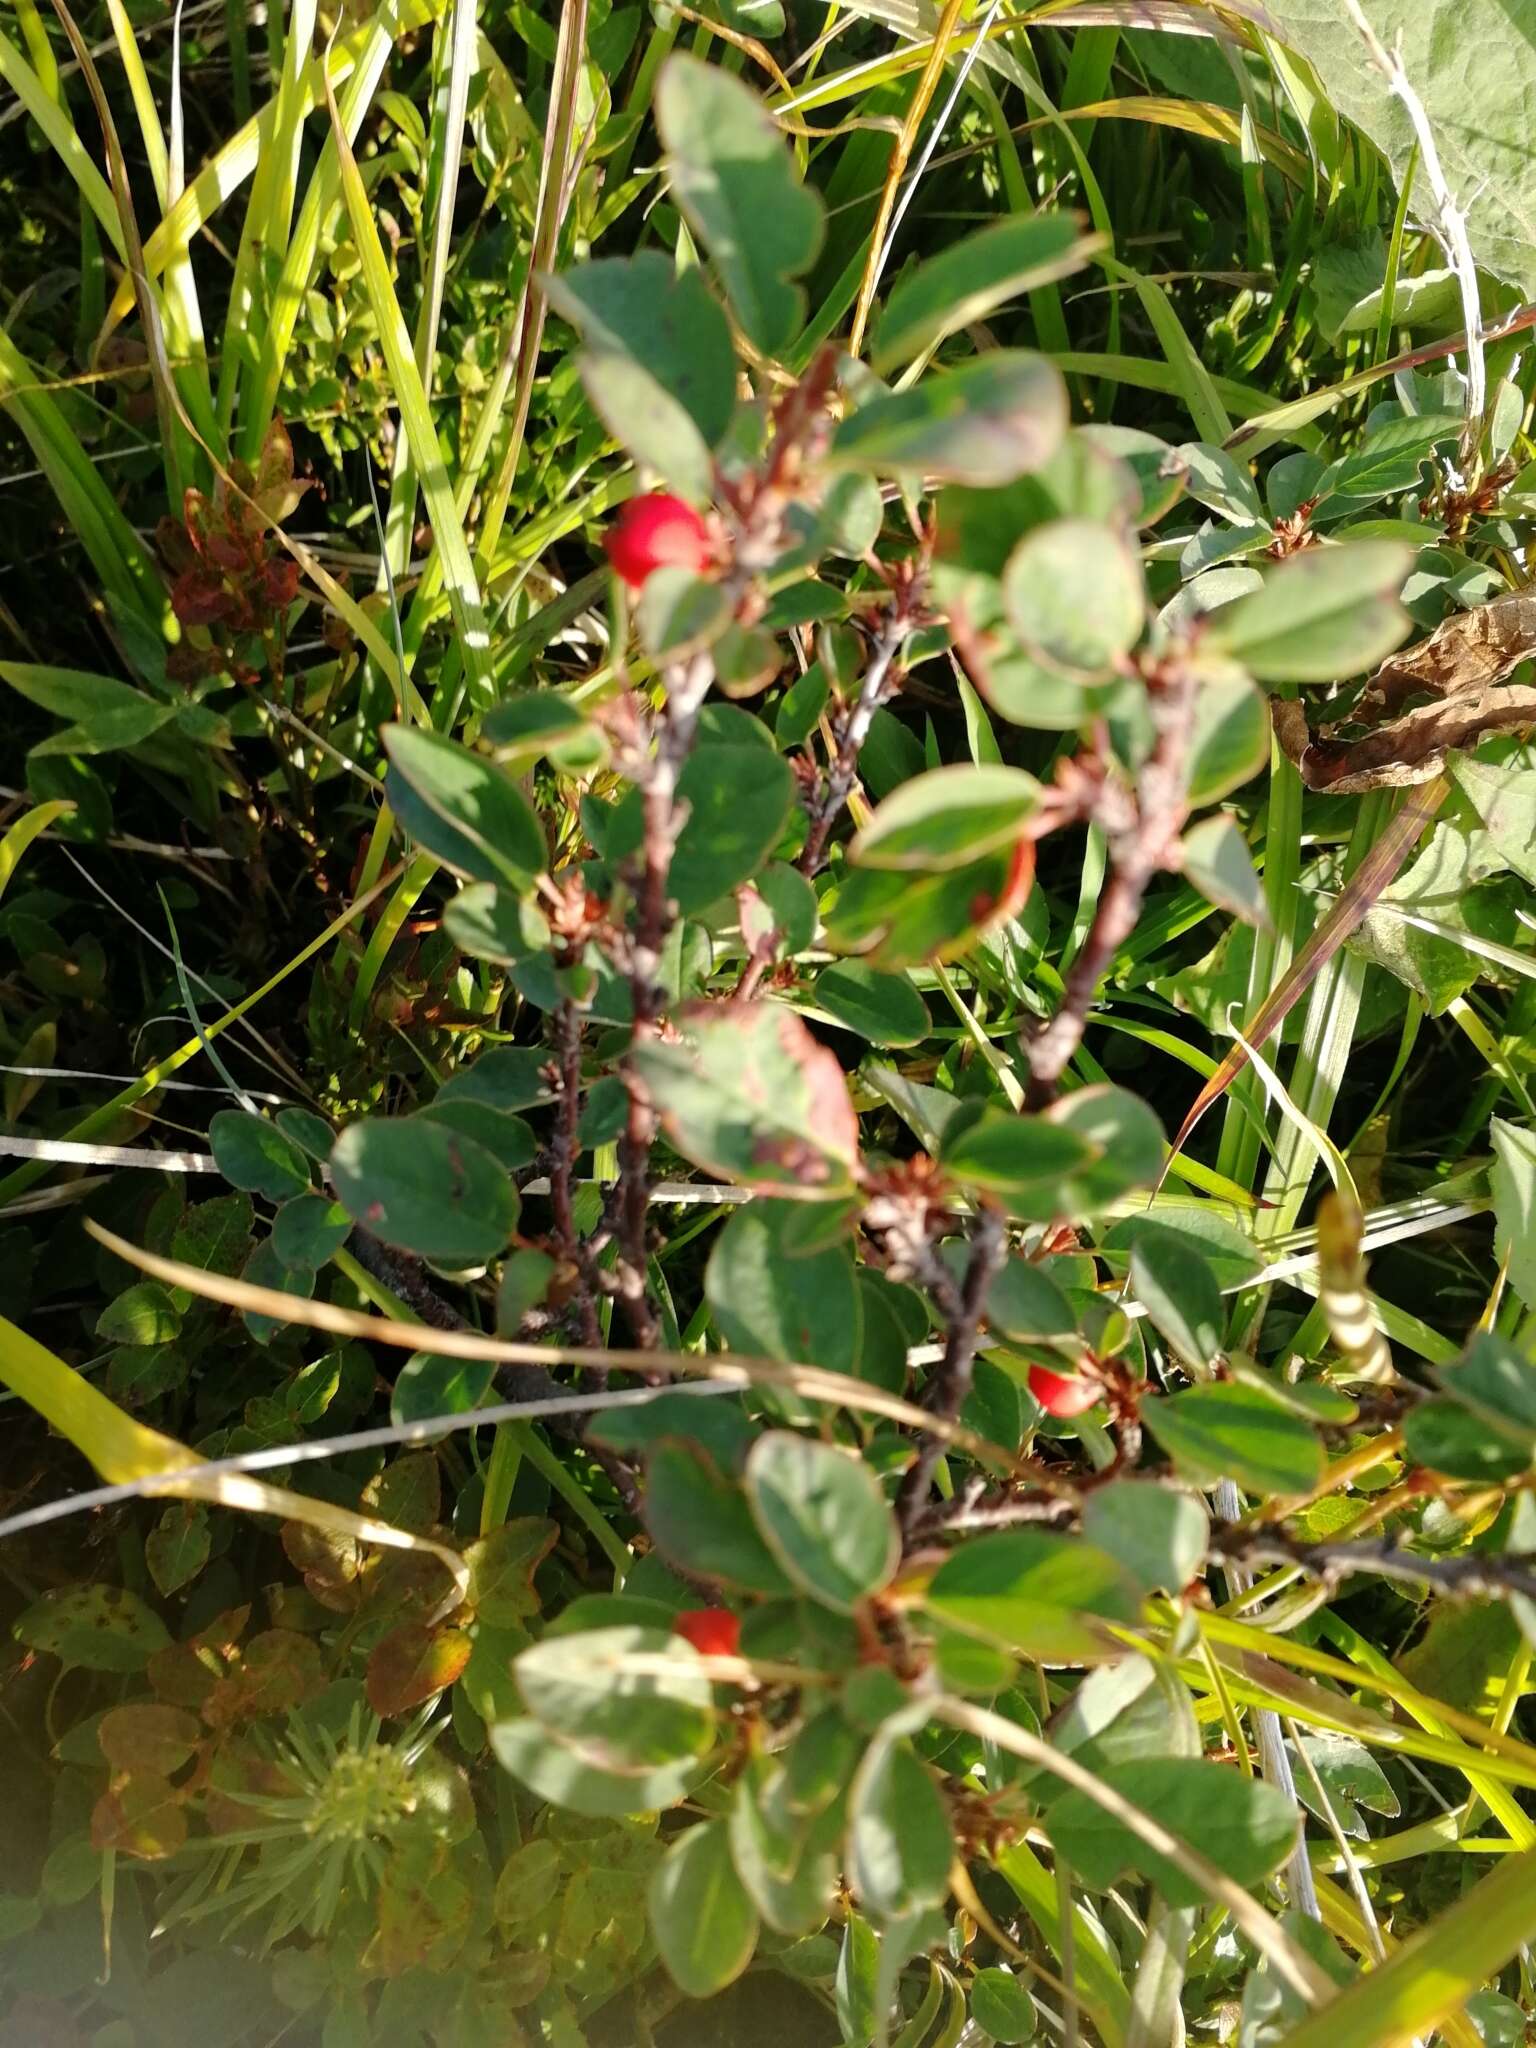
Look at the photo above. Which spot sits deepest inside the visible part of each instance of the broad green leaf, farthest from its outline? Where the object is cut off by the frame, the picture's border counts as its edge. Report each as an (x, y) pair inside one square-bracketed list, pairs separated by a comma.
[(142, 1314), (656, 428), (734, 179), (560, 1777), (1230, 741), (1074, 592), (1474, 70), (1497, 1381), (1389, 459), (1327, 613), (1244, 1826), (786, 1862), (1002, 2007), (993, 419), (1016, 1156), (254, 1154), (970, 279), (1231, 1255), (750, 1096), (98, 1628), (523, 730), (1215, 857), (679, 613), (417, 1184), (505, 1077), (463, 808), (1033, 1591), (581, 1689), (1158, 1535), (1179, 1291), (896, 918), (900, 1844), (413, 1663), (884, 1009), (1025, 1304), (308, 1228), (1221, 483), (1514, 1201), (773, 1299), (824, 1516), (103, 714), (666, 320), (427, 1385), (1235, 1432), (701, 1523), (1448, 1437), (509, 1139), (705, 1924), (739, 800), (1349, 1774), (722, 1427), (1127, 1152), (502, 1565), (948, 818)]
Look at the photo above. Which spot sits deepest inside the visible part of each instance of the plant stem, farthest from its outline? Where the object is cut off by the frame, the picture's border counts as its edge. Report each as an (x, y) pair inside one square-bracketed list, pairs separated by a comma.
[(947, 1391)]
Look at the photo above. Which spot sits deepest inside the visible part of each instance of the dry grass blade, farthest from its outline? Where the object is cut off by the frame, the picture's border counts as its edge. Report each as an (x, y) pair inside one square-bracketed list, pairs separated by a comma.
[(813, 1382), (1373, 875)]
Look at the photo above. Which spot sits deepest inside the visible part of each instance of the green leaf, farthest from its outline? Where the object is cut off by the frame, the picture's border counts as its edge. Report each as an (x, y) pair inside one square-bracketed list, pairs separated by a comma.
[(720, 1427), (463, 808), (142, 1314), (1157, 1534), (525, 730), (659, 433), (993, 419), (665, 320), (1231, 1255), (1229, 743), (790, 1877), (902, 919), (1327, 613), (972, 278), (1514, 1202), (103, 714), (1024, 1304), (507, 1077), (1002, 2007), (426, 1188), (98, 1628), (427, 1385), (771, 1298), (1033, 1591), (1016, 1156), (705, 1924), (1221, 483), (557, 1775), (308, 1228), (502, 1565), (752, 1097), (255, 1155), (620, 1719), (1236, 1432), (1127, 1148), (739, 799), (1214, 856), (735, 181), (1179, 1291), (1389, 460), (701, 1522), (679, 613), (1074, 593), (948, 818), (1448, 1437), (900, 1844), (1244, 1826), (884, 1009), (509, 1139), (824, 1516), (1498, 1383)]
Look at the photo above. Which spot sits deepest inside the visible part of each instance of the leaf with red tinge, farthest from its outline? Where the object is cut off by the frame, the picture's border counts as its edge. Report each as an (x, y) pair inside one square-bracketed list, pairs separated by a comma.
[(412, 1663), (144, 1737), (142, 1816), (754, 1098)]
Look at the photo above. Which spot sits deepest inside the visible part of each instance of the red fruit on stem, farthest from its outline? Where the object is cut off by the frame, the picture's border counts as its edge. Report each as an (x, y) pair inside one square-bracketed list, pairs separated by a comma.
[(713, 1631), (1062, 1396), (658, 531)]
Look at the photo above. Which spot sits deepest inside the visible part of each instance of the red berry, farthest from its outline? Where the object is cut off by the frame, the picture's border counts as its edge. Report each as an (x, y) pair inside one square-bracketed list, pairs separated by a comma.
[(656, 532), (713, 1631), (1062, 1396)]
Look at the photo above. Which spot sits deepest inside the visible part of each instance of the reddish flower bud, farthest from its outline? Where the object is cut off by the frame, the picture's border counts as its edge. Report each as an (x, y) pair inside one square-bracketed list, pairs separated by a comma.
[(713, 1631), (1062, 1396), (656, 532)]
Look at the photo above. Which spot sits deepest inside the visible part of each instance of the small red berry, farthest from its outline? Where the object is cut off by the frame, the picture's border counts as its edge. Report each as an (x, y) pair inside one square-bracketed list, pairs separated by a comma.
[(713, 1631), (656, 532), (1062, 1396)]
